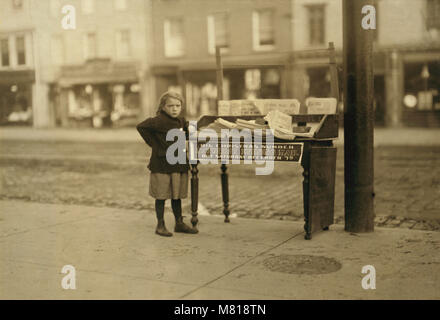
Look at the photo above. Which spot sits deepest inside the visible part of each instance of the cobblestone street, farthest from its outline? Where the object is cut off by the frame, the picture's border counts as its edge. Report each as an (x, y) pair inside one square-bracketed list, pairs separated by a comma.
[(407, 181)]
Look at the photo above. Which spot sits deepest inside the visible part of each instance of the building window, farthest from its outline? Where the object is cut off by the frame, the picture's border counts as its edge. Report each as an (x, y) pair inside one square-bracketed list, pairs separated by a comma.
[(89, 45), (57, 49), (174, 37), (88, 6), (375, 4), (120, 5), (433, 16), (55, 8), (123, 44), (21, 50), (4, 44), (217, 32), (263, 29), (316, 24), (17, 4)]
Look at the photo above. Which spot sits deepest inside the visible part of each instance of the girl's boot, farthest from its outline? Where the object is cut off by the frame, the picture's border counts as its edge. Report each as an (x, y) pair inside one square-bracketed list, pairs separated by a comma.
[(162, 230), (182, 227), (176, 205)]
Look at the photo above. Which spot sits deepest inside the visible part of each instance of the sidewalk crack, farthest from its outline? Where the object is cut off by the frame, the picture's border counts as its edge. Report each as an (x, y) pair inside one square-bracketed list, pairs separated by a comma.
[(46, 227), (239, 266)]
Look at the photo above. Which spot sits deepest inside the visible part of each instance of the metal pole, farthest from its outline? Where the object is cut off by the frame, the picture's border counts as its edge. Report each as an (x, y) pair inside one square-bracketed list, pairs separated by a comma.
[(358, 119), (224, 174), (334, 80), (218, 60), (182, 83)]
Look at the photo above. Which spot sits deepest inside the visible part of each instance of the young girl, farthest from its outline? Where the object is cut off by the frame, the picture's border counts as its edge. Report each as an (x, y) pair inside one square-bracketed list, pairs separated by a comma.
[(167, 181)]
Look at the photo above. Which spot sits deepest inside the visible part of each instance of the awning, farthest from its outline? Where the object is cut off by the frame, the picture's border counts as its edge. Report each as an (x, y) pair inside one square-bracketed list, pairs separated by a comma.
[(229, 62), (15, 77), (98, 71)]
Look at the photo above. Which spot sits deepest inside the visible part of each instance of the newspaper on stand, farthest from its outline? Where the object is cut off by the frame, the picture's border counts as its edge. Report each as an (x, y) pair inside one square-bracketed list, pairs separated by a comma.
[(321, 105), (257, 107), (281, 124), (278, 116)]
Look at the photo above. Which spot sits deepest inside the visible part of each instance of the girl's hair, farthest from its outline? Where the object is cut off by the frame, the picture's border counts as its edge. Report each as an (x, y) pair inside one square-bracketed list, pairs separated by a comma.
[(163, 100)]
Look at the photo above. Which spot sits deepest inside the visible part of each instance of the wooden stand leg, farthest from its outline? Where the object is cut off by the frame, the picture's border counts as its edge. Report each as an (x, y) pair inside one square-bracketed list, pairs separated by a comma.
[(306, 192), (194, 194), (319, 188), (225, 192), (306, 183)]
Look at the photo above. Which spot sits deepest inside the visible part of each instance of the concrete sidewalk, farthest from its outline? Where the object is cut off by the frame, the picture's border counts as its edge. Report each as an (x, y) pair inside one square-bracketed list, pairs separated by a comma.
[(117, 256), (382, 136)]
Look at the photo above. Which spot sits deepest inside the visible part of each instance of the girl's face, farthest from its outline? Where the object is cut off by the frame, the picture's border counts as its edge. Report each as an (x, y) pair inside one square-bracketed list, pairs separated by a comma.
[(173, 107)]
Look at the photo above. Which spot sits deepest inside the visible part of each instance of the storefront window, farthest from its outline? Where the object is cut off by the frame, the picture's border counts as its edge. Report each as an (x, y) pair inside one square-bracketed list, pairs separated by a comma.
[(201, 89), (81, 107), (319, 82), (262, 84), (271, 84), (16, 104), (252, 78), (126, 104), (201, 93), (422, 83)]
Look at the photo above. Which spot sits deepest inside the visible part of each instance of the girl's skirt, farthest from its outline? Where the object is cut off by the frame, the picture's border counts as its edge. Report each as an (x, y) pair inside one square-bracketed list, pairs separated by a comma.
[(169, 185)]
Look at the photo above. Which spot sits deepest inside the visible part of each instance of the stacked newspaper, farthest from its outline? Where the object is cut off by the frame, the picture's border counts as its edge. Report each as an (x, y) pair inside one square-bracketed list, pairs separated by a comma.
[(250, 124), (279, 122), (257, 107), (321, 105), (239, 124), (217, 126)]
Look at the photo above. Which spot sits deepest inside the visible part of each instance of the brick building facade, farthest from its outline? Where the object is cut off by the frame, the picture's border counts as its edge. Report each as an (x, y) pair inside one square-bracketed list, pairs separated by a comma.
[(93, 74), (110, 69)]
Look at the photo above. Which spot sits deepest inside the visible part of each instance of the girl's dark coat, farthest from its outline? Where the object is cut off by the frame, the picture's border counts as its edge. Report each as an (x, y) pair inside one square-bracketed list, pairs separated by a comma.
[(154, 131)]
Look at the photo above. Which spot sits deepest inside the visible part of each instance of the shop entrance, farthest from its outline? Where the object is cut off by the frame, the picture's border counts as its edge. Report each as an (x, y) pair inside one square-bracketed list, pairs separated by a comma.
[(201, 89), (16, 104), (422, 94), (379, 100)]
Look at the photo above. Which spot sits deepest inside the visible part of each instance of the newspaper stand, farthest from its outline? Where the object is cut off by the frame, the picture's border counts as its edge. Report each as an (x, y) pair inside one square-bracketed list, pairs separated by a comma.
[(317, 156)]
